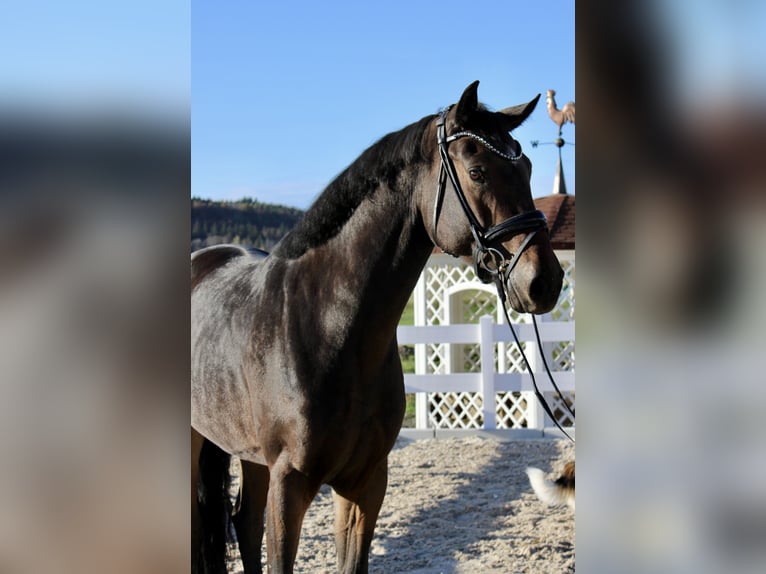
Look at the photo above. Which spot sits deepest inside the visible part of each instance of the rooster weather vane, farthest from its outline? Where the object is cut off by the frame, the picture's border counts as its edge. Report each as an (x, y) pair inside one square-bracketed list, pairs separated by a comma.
[(559, 117)]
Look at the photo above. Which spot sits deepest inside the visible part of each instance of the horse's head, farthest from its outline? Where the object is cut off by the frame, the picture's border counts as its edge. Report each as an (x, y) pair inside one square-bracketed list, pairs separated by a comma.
[(482, 204)]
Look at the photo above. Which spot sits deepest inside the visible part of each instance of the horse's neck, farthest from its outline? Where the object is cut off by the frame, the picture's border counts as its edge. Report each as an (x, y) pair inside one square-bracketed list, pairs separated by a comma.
[(375, 260)]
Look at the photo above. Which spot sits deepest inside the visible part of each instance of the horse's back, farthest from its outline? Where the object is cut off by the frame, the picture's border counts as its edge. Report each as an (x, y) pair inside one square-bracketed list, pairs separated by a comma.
[(207, 260)]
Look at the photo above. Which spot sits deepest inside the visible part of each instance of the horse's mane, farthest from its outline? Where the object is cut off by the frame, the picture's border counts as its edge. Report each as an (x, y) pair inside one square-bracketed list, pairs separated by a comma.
[(378, 166)]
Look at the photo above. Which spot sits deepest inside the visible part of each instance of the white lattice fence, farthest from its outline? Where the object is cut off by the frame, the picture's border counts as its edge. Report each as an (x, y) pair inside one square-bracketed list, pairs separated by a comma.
[(449, 293)]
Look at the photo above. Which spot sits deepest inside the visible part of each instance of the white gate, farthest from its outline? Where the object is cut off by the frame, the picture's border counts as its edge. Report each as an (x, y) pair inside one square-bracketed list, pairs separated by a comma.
[(460, 359)]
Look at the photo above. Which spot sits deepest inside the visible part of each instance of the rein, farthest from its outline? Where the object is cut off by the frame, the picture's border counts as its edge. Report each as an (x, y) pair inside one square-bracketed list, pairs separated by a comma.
[(492, 262), (538, 394)]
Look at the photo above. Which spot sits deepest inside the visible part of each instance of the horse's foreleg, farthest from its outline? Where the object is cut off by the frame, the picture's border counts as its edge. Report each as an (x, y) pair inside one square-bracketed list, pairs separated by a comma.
[(355, 516), (197, 441), (248, 522), (290, 493)]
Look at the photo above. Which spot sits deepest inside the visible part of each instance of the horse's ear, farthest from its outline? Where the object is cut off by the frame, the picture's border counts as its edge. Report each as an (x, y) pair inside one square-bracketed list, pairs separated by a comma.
[(468, 104), (514, 116)]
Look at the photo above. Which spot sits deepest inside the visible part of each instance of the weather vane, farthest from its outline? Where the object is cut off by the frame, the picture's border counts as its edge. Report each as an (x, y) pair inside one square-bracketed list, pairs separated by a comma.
[(559, 117)]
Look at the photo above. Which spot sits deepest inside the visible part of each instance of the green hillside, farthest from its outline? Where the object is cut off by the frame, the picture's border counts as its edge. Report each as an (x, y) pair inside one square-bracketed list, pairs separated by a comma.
[(245, 222)]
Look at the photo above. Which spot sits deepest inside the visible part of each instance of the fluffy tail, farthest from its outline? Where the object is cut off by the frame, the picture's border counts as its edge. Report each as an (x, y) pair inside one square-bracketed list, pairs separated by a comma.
[(555, 493), (215, 506)]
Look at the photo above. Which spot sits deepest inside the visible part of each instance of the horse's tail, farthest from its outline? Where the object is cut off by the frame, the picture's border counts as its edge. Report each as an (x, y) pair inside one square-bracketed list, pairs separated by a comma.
[(214, 506), (556, 492)]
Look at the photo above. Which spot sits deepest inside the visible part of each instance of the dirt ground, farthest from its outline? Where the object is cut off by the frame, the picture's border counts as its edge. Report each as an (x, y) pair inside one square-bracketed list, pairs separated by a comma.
[(457, 506)]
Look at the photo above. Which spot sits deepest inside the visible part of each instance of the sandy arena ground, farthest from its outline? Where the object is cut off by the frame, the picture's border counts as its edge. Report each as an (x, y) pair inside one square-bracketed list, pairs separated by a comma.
[(457, 506)]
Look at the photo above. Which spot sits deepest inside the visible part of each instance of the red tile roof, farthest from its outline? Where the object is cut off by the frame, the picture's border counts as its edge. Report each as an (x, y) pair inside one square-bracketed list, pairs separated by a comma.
[(560, 211)]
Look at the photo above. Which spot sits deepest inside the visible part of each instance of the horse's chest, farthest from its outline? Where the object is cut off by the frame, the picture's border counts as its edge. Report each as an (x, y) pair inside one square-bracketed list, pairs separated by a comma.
[(332, 423)]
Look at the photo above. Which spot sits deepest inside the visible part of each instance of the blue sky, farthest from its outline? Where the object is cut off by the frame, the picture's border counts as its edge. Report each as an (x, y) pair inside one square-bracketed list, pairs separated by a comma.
[(91, 54), (286, 94)]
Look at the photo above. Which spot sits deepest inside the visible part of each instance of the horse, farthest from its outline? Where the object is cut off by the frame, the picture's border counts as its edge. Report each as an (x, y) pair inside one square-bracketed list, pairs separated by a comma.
[(294, 361)]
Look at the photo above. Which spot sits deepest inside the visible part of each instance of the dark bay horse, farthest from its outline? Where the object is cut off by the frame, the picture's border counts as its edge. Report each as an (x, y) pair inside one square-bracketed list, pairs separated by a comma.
[(295, 368)]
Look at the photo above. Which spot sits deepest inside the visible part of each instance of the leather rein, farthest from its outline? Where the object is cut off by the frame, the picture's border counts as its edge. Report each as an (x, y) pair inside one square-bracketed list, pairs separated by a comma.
[(492, 262)]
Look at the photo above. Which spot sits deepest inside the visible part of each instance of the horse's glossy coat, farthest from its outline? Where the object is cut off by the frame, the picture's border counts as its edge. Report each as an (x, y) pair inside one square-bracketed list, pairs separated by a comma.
[(295, 366)]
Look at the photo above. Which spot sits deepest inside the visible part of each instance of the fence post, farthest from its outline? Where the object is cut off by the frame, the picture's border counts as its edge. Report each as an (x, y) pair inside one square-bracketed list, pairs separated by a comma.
[(421, 356), (487, 345), (536, 417)]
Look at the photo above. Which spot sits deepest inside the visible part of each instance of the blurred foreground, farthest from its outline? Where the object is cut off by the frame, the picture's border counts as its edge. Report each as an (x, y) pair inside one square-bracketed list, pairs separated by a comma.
[(94, 400), (671, 309)]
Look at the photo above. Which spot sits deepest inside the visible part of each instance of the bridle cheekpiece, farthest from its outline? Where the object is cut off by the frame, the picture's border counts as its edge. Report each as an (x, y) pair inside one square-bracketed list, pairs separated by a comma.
[(491, 260)]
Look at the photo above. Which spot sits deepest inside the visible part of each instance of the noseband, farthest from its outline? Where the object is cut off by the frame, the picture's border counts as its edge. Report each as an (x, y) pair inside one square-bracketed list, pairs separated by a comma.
[(491, 260)]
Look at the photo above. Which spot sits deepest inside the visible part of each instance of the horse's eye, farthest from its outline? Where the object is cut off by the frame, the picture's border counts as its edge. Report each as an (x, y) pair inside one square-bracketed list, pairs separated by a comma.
[(476, 174)]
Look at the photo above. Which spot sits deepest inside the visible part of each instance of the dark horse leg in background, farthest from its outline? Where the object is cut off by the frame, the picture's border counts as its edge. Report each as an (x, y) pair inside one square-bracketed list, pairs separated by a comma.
[(196, 521), (211, 512), (249, 521)]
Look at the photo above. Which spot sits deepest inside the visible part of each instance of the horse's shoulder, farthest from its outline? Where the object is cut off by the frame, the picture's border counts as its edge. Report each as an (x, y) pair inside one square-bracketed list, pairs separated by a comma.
[(207, 260)]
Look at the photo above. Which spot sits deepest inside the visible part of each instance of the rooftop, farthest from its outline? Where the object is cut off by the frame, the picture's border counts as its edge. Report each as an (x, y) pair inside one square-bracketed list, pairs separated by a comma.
[(559, 208)]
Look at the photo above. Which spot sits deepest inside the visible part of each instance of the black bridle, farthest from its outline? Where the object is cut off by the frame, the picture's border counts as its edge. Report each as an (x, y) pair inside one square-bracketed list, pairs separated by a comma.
[(492, 262), (491, 259)]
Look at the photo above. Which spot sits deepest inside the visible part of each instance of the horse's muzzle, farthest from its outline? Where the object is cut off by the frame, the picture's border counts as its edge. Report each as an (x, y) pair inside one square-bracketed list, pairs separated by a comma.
[(535, 290)]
